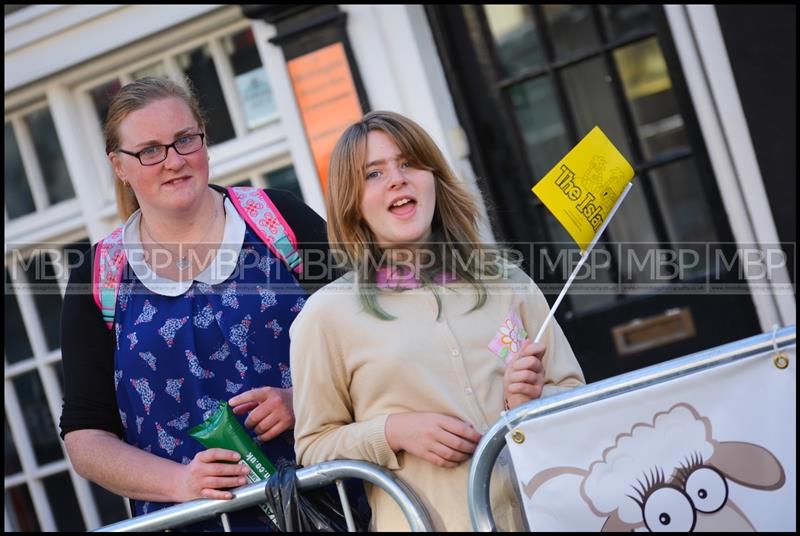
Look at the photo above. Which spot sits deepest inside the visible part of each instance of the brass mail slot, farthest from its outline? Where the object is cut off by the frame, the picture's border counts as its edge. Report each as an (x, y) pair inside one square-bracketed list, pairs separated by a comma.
[(648, 333)]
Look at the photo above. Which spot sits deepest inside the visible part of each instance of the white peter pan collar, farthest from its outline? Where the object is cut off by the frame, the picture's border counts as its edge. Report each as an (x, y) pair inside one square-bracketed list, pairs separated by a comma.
[(219, 270)]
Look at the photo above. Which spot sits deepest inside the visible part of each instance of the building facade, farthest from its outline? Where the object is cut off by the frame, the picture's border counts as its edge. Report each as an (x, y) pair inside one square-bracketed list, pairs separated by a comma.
[(700, 99)]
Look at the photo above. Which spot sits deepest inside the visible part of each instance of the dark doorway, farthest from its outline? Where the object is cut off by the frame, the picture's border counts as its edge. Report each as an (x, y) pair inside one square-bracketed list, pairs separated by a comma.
[(528, 83)]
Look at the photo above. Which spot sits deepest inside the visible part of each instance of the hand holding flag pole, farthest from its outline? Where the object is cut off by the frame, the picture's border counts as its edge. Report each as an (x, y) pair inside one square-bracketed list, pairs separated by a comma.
[(584, 191)]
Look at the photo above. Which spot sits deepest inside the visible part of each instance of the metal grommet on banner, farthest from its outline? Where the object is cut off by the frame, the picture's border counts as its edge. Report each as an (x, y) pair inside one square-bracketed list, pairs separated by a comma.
[(780, 360), (517, 435)]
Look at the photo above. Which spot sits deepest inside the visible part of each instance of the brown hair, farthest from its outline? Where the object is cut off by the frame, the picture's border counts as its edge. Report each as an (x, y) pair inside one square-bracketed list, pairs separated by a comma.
[(455, 218), (132, 97)]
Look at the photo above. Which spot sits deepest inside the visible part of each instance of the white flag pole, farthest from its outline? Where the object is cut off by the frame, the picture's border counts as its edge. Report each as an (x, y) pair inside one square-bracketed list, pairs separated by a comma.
[(582, 261)]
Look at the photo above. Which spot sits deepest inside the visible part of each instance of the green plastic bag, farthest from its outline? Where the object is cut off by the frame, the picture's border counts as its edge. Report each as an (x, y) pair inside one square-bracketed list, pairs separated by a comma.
[(223, 430)]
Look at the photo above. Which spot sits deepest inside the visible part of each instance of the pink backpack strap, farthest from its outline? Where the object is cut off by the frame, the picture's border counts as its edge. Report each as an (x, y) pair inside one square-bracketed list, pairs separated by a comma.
[(109, 262), (258, 210)]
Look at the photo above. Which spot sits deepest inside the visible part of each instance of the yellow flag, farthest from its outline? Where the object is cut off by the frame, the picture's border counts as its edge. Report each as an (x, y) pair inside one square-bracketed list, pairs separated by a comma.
[(583, 187)]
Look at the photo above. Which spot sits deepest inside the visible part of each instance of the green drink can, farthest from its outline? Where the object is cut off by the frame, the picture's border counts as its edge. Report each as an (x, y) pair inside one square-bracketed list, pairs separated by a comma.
[(223, 430)]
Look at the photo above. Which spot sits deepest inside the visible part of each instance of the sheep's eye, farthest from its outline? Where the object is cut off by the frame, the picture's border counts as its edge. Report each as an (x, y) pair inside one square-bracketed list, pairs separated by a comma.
[(668, 509), (707, 489)]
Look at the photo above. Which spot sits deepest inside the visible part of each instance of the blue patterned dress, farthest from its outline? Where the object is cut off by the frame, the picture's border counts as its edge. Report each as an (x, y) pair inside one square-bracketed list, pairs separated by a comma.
[(178, 356)]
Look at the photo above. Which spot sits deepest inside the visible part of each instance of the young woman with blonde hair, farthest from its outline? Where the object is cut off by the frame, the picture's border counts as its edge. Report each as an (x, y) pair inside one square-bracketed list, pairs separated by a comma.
[(399, 361)]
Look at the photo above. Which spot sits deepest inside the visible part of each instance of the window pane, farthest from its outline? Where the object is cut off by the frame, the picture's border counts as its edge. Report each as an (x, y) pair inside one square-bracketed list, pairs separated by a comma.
[(101, 98), (246, 182), (571, 28), (38, 420), (250, 77), (598, 289), (156, 70), (682, 202), (19, 509), (110, 506), (633, 232), (198, 66), (562, 257), (649, 90), (284, 179), (51, 159), (539, 119), (516, 38), (12, 460), (592, 102), (620, 19), (19, 200), (41, 273), (632, 221), (61, 496), (17, 347)]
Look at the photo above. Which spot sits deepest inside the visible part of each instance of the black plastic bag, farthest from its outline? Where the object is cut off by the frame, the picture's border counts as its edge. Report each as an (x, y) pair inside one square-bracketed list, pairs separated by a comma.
[(318, 510)]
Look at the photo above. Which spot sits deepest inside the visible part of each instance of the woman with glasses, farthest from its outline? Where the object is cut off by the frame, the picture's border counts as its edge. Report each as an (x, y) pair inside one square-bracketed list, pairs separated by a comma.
[(199, 315)]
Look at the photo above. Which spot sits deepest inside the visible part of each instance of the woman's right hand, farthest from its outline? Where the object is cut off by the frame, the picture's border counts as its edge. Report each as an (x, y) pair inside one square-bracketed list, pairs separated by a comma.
[(208, 473), (439, 439)]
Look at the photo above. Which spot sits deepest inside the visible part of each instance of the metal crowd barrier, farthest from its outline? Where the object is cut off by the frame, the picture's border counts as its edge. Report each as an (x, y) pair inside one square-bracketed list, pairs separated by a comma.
[(315, 476), (494, 440)]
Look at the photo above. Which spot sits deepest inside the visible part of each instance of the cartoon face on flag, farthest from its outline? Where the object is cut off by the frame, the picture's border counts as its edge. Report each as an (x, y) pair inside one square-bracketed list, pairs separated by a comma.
[(583, 187)]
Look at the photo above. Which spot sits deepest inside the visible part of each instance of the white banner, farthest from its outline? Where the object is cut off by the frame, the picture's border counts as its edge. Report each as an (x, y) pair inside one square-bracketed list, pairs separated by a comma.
[(711, 451)]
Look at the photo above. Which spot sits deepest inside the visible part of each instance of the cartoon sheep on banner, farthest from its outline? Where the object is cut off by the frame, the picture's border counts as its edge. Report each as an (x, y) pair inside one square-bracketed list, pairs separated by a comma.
[(671, 475)]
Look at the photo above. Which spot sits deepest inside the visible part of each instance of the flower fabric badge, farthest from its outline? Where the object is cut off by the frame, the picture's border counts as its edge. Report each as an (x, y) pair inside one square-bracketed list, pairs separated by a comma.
[(510, 337)]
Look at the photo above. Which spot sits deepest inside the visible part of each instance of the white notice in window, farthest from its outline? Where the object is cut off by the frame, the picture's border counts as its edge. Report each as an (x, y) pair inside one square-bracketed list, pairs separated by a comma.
[(258, 102)]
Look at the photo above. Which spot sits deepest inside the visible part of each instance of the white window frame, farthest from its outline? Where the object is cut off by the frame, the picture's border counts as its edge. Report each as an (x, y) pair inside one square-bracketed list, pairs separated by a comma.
[(261, 144), (251, 154), (30, 161), (42, 361)]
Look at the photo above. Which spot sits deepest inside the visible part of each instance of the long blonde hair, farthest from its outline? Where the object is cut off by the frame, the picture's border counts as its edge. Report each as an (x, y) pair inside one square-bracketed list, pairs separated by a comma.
[(455, 218), (132, 97)]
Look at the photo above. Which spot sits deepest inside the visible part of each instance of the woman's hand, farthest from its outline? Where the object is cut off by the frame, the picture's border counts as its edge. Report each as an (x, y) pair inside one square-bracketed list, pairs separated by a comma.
[(271, 410), (524, 377), (439, 439), (208, 473)]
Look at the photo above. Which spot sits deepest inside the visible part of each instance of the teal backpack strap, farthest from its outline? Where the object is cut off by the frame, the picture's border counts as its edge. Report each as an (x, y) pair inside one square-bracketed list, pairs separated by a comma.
[(260, 213), (109, 262)]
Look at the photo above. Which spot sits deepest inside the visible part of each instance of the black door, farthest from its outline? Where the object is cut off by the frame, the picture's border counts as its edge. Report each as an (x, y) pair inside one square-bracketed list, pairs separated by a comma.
[(529, 82)]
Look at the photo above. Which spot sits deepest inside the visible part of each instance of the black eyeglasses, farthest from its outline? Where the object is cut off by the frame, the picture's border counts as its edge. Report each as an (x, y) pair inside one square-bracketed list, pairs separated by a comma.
[(155, 154)]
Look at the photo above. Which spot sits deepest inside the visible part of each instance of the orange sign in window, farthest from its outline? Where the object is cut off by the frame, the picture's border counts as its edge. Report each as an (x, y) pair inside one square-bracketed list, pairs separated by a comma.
[(327, 98)]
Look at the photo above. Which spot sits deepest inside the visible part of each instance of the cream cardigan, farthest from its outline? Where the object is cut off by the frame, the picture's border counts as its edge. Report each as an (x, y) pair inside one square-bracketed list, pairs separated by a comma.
[(350, 370)]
